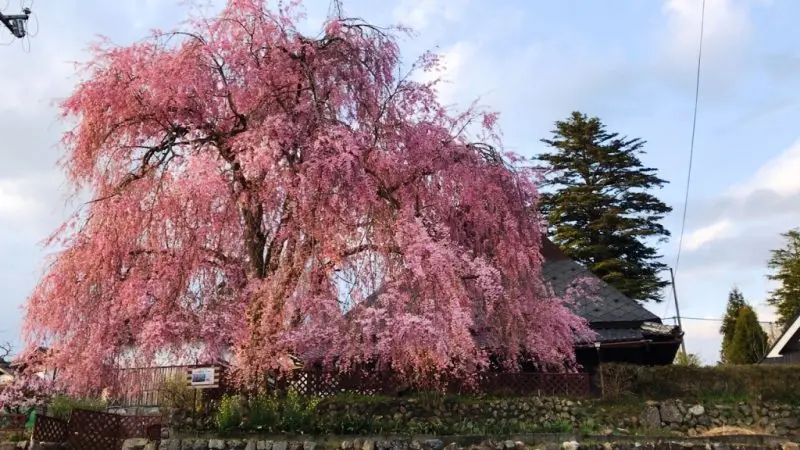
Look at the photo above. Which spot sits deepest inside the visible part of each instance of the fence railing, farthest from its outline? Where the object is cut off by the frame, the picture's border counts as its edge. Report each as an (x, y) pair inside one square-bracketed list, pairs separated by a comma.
[(49, 429), (94, 430), (146, 386), (322, 384)]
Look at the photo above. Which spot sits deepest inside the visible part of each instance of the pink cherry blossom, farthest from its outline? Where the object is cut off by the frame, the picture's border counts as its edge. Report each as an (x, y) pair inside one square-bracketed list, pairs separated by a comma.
[(259, 190)]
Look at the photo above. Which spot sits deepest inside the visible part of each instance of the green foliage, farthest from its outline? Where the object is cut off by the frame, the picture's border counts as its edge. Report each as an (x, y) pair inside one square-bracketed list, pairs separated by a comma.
[(61, 406), (749, 342), (298, 412), (785, 264), (263, 412), (437, 414), (687, 359), (230, 413), (736, 302), (267, 412), (599, 206), (293, 413), (179, 395), (715, 383)]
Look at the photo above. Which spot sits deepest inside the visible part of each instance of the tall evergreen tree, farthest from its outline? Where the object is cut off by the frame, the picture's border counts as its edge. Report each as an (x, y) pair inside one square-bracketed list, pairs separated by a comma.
[(598, 202), (785, 264), (749, 342), (736, 302)]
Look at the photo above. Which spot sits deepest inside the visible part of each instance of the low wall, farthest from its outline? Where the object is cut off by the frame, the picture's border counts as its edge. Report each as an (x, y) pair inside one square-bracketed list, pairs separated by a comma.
[(497, 417), (529, 415), (439, 444)]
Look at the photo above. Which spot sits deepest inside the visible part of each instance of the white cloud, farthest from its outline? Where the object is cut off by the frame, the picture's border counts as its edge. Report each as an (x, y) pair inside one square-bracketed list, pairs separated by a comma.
[(726, 29), (453, 62), (141, 12), (419, 14), (702, 338), (704, 235), (15, 204), (763, 205), (779, 175)]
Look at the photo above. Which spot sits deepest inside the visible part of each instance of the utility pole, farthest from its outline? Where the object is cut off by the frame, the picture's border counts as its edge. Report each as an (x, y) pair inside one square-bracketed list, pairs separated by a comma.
[(16, 23), (677, 309)]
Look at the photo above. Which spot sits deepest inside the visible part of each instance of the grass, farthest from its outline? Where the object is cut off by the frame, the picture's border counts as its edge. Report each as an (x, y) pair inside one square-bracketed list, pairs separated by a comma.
[(357, 414), (61, 406)]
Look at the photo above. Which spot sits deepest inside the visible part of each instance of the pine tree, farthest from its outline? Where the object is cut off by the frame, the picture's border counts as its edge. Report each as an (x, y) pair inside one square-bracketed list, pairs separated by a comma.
[(736, 302), (785, 264), (598, 202), (749, 342)]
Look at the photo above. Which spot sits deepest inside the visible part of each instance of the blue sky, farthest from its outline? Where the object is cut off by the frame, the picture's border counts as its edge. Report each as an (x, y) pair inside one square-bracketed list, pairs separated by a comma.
[(630, 62)]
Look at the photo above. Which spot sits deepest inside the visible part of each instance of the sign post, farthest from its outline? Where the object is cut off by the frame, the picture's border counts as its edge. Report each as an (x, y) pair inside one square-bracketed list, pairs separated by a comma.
[(203, 377)]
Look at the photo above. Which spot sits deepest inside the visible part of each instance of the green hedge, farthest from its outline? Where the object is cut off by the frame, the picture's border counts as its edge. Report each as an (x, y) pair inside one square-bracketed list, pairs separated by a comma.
[(731, 383)]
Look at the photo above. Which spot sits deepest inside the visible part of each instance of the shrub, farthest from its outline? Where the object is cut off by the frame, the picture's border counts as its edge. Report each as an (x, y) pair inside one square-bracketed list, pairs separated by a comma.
[(263, 412), (179, 395), (230, 413), (61, 406), (298, 412), (767, 382)]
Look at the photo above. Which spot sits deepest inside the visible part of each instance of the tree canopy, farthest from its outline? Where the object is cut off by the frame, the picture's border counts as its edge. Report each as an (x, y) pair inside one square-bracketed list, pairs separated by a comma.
[(600, 209), (785, 266), (736, 302), (252, 185)]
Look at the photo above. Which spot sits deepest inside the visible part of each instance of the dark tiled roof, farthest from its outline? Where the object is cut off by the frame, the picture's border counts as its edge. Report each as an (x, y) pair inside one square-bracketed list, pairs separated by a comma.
[(606, 304), (619, 334), (645, 331)]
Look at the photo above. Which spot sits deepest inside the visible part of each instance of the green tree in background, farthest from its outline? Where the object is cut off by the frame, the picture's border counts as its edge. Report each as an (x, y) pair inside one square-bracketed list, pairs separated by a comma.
[(598, 203), (687, 359), (785, 264), (749, 342), (736, 302)]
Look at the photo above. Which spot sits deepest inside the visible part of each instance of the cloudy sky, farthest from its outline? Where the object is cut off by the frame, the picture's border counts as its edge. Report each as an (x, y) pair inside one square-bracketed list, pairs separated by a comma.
[(632, 64)]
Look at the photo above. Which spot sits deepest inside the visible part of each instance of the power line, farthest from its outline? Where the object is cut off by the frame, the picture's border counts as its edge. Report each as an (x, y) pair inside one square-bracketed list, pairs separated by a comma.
[(691, 145), (694, 130), (710, 319)]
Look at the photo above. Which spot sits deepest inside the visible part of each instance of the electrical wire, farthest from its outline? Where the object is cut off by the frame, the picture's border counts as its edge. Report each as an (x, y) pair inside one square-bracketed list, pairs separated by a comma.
[(691, 144), (711, 319), (694, 131)]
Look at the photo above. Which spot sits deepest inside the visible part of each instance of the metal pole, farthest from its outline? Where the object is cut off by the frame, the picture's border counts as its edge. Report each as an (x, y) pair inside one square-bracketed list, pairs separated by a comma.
[(677, 311), (16, 22)]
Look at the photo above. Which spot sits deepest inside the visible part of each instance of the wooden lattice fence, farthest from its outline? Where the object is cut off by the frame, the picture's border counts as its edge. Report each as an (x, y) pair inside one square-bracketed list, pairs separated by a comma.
[(538, 384), (140, 426), (49, 429), (319, 384), (94, 430), (145, 386)]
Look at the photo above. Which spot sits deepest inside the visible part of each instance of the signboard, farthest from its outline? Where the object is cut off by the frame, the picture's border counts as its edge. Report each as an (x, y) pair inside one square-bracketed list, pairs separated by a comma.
[(203, 377)]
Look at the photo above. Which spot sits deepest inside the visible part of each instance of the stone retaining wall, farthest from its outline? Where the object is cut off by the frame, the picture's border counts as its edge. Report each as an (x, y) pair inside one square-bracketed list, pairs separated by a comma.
[(437, 444), (547, 414)]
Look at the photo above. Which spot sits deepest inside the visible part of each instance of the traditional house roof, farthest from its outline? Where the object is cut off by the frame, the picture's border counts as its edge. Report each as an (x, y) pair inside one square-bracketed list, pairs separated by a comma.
[(612, 315), (786, 349)]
